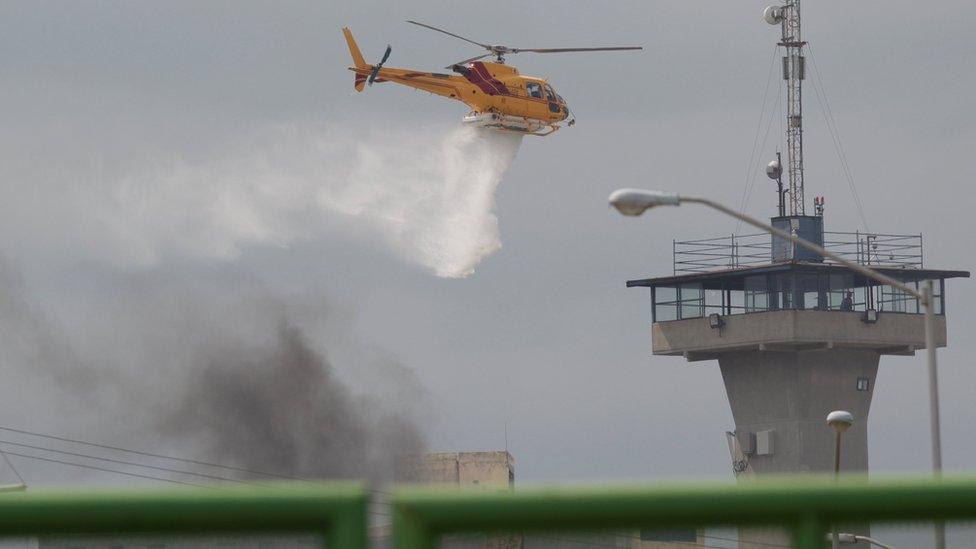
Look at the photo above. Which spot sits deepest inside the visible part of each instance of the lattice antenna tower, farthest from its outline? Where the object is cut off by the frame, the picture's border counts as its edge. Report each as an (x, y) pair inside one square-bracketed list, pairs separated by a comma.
[(787, 17)]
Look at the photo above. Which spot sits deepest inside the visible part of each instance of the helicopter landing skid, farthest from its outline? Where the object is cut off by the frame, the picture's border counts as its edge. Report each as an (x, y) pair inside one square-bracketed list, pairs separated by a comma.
[(509, 123)]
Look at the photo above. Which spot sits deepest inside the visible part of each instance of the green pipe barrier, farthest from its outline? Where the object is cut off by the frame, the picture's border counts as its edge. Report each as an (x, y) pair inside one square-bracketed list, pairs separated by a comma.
[(806, 506), (336, 511), (421, 515)]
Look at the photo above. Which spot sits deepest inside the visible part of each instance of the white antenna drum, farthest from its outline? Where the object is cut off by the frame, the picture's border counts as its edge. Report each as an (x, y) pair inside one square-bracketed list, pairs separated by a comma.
[(773, 15)]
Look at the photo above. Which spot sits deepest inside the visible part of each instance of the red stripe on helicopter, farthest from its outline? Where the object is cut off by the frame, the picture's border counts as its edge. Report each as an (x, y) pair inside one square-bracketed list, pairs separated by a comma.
[(479, 76)]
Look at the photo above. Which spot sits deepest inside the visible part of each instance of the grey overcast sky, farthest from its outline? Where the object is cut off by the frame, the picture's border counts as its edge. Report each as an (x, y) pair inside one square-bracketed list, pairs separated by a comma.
[(543, 337)]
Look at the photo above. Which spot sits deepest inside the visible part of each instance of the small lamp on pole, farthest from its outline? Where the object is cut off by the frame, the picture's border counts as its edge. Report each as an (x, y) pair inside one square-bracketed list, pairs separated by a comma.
[(839, 421)]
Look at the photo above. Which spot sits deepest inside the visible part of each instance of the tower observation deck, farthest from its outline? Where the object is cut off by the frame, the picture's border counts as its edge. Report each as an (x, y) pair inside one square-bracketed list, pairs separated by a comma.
[(795, 336)]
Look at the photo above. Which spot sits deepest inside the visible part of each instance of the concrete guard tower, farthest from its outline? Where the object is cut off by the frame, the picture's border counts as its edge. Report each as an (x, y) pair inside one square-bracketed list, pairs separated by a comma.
[(795, 336), (794, 339)]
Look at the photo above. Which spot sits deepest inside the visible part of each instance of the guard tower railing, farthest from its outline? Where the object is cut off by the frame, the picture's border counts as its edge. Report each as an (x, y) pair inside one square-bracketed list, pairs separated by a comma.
[(749, 250)]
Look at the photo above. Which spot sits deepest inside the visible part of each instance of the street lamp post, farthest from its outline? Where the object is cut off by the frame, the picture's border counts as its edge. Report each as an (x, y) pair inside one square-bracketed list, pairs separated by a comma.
[(634, 202), (839, 421)]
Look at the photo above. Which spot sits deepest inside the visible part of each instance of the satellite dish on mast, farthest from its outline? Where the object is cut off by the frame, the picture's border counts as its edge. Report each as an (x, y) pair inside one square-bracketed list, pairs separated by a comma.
[(773, 15), (774, 170)]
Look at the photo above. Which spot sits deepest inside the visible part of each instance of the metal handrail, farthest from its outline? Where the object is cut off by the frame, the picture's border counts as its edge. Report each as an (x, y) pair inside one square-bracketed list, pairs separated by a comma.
[(421, 515), (805, 506), (735, 251), (336, 511)]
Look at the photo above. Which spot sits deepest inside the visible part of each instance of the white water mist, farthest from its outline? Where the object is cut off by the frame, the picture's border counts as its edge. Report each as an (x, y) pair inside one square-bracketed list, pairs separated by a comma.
[(428, 192)]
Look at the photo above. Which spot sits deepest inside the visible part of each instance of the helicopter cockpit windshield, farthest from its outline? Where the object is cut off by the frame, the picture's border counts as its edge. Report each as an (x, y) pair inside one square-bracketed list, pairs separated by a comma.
[(555, 102), (550, 95)]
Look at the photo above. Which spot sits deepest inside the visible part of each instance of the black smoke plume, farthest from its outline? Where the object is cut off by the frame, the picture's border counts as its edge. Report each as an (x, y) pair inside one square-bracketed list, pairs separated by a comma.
[(281, 409), (204, 365)]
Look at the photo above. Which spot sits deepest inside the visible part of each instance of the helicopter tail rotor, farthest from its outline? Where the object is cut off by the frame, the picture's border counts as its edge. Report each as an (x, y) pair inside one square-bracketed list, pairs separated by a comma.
[(362, 67), (378, 66)]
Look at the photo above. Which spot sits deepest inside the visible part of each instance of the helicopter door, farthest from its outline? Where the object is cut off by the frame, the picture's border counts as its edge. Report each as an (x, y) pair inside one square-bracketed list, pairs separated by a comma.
[(551, 96)]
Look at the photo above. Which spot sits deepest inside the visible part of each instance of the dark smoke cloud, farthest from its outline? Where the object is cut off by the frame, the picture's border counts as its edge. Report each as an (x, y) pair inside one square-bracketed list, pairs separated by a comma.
[(281, 409), (199, 363)]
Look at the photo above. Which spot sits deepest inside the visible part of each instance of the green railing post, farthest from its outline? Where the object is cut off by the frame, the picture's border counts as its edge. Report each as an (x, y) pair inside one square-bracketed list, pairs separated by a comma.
[(349, 526), (410, 532), (809, 532)]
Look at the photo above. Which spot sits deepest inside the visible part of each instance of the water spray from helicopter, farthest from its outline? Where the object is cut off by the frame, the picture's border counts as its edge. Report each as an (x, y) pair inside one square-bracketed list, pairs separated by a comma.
[(427, 193)]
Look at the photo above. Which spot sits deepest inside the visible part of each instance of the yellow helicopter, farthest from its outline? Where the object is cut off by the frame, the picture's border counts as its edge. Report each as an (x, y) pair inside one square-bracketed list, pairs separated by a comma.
[(499, 97)]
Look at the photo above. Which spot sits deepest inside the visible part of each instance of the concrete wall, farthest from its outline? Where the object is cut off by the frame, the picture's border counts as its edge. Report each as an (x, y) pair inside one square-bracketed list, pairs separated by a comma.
[(489, 469), (894, 333), (787, 395), (790, 393), (486, 468)]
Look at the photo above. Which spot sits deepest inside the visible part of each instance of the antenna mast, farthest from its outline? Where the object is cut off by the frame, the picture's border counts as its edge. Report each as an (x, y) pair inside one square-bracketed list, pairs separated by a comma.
[(794, 71)]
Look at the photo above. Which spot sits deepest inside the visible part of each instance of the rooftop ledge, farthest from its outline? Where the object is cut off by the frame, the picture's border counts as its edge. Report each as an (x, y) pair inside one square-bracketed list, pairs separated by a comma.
[(793, 330)]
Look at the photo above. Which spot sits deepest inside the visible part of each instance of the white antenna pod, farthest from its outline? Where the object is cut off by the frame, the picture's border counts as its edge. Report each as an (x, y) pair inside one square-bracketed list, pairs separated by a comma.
[(773, 15)]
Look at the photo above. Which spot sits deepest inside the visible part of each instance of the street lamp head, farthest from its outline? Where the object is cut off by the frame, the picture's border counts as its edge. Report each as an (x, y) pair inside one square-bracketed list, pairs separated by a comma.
[(840, 420), (635, 201)]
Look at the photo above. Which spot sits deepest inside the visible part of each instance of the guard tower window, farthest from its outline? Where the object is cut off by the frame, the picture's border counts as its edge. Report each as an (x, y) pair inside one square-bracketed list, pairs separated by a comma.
[(692, 301), (756, 295), (896, 301), (863, 384), (683, 301), (838, 285), (534, 89), (822, 288)]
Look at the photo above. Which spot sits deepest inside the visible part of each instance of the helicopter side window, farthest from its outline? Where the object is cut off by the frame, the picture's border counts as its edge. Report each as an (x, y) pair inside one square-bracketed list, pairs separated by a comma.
[(535, 90), (551, 94)]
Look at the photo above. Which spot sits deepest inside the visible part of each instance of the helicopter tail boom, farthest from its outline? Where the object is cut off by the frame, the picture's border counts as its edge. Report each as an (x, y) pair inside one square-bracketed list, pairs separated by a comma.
[(357, 59)]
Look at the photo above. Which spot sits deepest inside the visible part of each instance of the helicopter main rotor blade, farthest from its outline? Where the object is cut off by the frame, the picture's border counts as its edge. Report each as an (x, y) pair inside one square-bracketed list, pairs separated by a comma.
[(466, 61), (486, 46), (562, 50)]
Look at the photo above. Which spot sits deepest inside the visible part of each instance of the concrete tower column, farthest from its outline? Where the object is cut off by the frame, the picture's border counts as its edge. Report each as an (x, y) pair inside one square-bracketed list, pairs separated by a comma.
[(779, 400)]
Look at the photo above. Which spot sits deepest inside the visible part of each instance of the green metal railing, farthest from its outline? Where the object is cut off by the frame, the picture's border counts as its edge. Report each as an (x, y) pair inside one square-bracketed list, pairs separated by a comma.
[(337, 512), (422, 515), (805, 506)]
